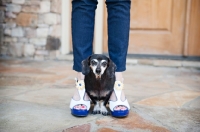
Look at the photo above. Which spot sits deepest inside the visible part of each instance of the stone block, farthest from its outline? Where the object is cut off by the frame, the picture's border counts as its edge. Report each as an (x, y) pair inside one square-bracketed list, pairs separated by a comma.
[(42, 32), (2, 25), (53, 43), (32, 2), (10, 15), (36, 7), (1, 16), (42, 25), (41, 19), (10, 25), (42, 52), (4, 2), (4, 50), (39, 47), (10, 39), (1, 32), (15, 49), (58, 19), (2, 8), (7, 31), (54, 54), (50, 18), (45, 6), (6, 20), (26, 19), (28, 50), (38, 41), (56, 6), (13, 8), (39, 57), (31, 9), (23, 40), (17, 32), (30, 32), (18, 1), (55, 31)]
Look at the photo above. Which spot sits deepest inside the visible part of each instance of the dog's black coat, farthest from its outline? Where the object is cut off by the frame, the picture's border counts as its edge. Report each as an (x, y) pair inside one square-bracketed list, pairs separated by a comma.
[(99, 89)]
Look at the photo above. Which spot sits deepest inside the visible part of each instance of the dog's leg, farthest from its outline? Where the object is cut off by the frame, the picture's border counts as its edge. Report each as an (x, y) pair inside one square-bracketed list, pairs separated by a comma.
[(104, 110), (107, 98), (97, 109)]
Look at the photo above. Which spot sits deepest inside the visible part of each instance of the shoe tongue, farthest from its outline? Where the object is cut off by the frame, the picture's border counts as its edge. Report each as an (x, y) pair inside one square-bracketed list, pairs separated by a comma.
[(118, 85), (80, 85)]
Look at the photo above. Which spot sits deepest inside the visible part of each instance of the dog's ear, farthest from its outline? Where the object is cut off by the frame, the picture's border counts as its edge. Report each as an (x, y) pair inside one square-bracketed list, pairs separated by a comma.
[(111, 69), (86, 66)]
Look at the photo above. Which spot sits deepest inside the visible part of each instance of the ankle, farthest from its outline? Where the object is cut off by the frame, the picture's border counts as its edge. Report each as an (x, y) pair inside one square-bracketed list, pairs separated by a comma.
[(119, 76), (80, 76)]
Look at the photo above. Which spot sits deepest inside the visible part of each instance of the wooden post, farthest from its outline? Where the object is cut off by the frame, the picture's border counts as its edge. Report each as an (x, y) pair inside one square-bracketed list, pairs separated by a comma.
[(66, 26), (187, 22), (98, 39)]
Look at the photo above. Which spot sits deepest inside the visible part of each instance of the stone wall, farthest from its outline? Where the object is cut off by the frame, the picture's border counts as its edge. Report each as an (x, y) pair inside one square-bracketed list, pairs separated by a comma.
[(31, 28)]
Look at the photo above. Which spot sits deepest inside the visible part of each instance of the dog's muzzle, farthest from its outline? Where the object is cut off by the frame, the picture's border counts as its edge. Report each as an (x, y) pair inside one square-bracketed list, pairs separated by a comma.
[(98, 73)]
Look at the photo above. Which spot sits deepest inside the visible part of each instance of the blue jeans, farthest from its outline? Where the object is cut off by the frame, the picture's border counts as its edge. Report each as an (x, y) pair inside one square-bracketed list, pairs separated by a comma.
[(83, 15)]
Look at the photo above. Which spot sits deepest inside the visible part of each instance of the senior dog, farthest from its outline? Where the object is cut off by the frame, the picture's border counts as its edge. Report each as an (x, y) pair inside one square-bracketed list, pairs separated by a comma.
[(99, 73)]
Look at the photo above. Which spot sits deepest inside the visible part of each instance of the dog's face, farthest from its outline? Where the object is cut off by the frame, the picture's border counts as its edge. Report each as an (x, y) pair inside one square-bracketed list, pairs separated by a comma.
[(99, 64)]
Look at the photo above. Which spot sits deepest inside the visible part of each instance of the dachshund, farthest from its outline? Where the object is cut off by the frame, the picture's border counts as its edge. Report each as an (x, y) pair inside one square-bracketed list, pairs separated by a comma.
[(99, 71)]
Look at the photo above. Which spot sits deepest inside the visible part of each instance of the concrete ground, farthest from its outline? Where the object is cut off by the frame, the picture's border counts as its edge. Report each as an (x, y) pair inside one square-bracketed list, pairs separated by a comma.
[(35, 96)]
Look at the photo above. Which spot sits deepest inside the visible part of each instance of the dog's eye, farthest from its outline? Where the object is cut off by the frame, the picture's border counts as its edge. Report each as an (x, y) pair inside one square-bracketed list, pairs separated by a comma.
[(104, 64), (93, 62)]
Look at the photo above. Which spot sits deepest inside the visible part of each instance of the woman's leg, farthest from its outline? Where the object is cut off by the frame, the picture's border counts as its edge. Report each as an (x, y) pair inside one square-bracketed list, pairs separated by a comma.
[(83, 15), (118, 31), (118, 36)]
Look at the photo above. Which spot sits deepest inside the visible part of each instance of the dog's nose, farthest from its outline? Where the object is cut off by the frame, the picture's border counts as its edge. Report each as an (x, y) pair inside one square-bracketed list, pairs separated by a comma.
[(98, 70)]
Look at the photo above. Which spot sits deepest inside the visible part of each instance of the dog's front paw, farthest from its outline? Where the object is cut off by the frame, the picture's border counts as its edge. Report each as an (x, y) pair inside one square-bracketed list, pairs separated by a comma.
[(97, 109), (96, 112), (105, 113), (104, 110)]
